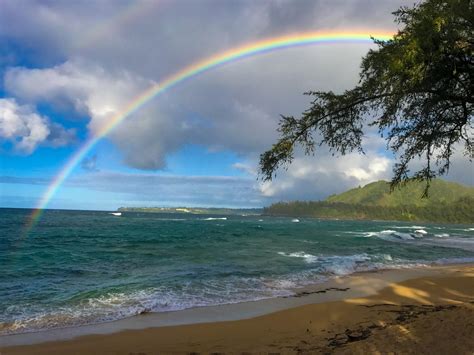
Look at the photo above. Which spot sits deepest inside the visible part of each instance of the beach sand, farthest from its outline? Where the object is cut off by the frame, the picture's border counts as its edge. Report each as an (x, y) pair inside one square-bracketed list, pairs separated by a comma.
[(431, 314)]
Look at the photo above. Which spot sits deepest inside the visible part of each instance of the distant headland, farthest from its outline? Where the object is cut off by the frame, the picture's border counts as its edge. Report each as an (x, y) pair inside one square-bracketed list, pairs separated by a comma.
[(195, 210), (448, 202)]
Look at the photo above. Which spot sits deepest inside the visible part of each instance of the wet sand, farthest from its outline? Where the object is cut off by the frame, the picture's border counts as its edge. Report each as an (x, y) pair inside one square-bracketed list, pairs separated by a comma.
[(427, 311)]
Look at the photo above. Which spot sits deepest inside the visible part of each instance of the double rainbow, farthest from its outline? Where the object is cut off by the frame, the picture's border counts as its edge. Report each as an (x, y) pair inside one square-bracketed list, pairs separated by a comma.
[(189, 72)]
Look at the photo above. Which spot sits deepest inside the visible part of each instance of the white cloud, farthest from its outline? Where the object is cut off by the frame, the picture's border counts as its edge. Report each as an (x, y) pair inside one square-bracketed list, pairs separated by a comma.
[(246, 168), (27, 129), (145, 138), (315, 178), (77, 85), (461, 165), (233, 108), (461, 170), (371, 170), (238, 105)]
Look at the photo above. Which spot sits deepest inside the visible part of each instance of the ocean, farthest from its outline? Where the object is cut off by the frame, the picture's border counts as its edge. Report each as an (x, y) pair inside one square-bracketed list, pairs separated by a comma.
[(87, 267)]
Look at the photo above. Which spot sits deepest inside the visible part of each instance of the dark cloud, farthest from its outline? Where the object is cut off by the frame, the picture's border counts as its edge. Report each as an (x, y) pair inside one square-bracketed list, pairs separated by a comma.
[(95, 59)]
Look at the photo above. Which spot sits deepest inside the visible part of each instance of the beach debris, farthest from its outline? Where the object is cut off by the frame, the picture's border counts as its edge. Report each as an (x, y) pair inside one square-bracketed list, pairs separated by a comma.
[(349, 336), (338, 340), (307, 293), (406, 313), (358, 334)]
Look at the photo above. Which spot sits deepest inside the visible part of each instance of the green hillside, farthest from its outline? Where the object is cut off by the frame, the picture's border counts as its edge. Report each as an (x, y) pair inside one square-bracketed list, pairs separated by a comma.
[(448, 202), (378, 194)]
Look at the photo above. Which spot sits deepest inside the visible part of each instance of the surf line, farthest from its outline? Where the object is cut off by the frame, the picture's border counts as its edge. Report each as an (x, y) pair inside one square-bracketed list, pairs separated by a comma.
[(191, 71)]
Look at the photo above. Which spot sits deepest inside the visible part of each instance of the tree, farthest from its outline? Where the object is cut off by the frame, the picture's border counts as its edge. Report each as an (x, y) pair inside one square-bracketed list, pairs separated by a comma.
[(416, 88)]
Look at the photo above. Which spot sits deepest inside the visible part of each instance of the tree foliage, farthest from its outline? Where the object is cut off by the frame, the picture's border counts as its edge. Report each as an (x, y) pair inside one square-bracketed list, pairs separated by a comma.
[(416, 88)]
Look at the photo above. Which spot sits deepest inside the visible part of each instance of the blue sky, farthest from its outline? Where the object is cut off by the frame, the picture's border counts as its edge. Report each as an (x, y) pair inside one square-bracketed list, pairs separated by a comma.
[(66, 68)]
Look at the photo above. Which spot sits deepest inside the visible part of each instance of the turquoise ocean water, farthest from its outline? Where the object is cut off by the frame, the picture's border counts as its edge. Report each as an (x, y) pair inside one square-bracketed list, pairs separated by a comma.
[(84, 267)]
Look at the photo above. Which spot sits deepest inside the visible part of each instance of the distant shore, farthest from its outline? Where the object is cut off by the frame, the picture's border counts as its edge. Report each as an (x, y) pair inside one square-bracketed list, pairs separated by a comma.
[(407, 311)]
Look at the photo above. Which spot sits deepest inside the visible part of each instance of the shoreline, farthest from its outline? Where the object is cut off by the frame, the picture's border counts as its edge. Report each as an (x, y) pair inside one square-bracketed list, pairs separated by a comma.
[(340, 289)]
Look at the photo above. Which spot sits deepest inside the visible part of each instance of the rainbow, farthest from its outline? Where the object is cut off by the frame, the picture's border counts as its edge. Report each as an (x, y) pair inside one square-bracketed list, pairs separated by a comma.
[(189, 72)]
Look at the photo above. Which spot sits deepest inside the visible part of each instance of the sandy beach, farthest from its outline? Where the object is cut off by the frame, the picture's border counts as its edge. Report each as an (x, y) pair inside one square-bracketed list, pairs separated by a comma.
[(399, 311)]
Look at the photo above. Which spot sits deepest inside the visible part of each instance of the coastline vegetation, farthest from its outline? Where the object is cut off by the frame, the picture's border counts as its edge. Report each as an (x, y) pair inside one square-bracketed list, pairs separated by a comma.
[(448, 202)]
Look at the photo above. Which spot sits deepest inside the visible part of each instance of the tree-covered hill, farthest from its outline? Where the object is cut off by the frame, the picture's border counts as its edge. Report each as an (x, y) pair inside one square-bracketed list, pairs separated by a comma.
[(378, 194), (448, 202)]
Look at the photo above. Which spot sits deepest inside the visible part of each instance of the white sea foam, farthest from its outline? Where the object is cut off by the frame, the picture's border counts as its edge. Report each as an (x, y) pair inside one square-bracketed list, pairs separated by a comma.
[(309, 241), (215, 219), (390, 235), (173, 219), (383, 257), (281, 284), (92, 310), (376, 234), (339, 265), (421, 231), (394, 236), (344, 265), (464, 229), (422, 237), (300, 254), (408, 227), (120, 305), (117, 305)]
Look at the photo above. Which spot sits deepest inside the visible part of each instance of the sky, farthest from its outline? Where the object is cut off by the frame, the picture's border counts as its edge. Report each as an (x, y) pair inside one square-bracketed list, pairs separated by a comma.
[(67, 67)]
